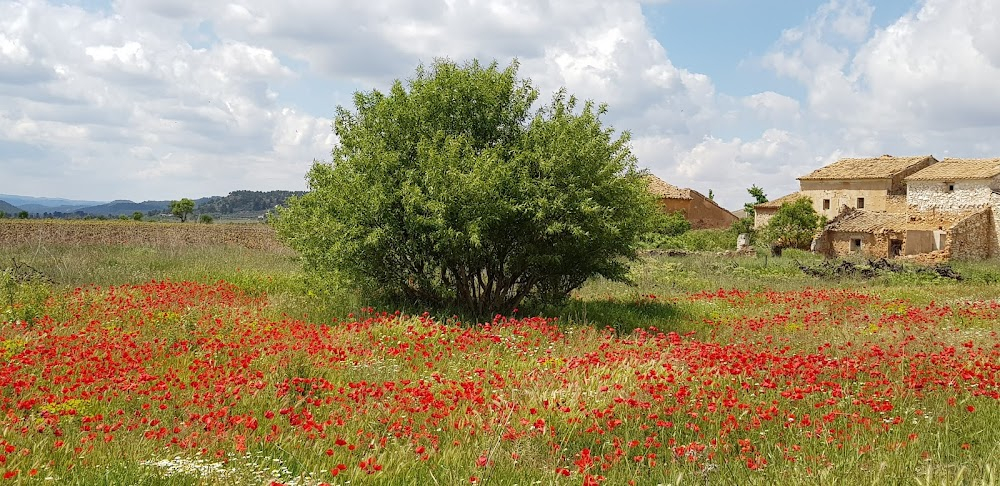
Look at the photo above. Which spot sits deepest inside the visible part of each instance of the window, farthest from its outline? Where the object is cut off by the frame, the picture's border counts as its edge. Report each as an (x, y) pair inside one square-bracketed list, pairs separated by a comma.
[(861, 203), (826, 204), (951, 187), (856, 244)]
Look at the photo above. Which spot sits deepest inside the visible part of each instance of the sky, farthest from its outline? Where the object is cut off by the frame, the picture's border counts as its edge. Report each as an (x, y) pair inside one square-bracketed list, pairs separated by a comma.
[(163, 99)]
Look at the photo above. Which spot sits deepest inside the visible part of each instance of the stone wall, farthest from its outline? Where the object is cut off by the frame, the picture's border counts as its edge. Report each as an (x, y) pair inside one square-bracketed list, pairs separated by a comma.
[(896, 203), (762, 216), (846, 193), (974, 237), (841, 244), (949, 196)]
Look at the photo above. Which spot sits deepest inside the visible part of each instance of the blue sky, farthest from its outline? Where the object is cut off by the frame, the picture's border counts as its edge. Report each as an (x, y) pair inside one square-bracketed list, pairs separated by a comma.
[(161, 99)]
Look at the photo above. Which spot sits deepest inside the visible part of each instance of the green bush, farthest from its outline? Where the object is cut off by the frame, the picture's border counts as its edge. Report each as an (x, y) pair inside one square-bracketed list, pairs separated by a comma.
[(450, 191), (673, 224), (22, 298), (695, 240), (793, 226)]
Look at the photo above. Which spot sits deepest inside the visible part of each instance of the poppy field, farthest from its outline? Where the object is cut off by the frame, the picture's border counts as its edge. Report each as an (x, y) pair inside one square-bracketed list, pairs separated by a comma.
[(205, 382)]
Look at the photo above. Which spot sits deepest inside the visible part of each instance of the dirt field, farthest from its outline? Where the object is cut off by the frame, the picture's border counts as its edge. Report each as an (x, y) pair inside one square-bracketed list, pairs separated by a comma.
[(15, 232)]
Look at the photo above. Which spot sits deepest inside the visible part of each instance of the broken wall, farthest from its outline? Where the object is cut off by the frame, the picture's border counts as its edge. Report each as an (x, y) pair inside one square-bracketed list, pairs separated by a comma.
[(974, 237)]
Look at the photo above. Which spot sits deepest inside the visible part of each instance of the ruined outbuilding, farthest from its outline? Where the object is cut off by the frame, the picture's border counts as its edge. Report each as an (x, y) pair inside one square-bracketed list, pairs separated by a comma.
[(699, 210)]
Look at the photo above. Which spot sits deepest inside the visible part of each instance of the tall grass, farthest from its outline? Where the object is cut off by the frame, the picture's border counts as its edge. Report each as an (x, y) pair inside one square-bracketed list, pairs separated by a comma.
[(604, 342), (279, 275)]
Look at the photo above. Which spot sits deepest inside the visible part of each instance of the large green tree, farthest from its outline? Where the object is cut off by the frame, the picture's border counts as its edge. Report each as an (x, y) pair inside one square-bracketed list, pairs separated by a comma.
[(451, 190), (182, 209), (793, 225)]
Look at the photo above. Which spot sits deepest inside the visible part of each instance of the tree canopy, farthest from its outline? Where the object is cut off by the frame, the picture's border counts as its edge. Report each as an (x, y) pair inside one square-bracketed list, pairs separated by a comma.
[(450, 190), (182, 209), (793, 225)]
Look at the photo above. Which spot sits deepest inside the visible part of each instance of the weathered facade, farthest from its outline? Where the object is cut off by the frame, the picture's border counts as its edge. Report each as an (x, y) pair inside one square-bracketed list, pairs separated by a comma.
[(699, 210), (957, 186), (872, 184), (876, 184), (950, 211), (887, 235), (954, 185)]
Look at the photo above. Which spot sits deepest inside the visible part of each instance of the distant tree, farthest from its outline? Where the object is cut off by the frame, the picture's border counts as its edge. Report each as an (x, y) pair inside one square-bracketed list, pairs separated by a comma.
[(3, 215), (182, 209), (137, 216), (758, 198), (793, 226), (123, 217), (23, 215), (745, 224), (205, 218)]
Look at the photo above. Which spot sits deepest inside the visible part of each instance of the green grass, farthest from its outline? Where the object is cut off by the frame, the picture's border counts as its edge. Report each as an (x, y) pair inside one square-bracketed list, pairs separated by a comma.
[(658, 298), (278, 275)]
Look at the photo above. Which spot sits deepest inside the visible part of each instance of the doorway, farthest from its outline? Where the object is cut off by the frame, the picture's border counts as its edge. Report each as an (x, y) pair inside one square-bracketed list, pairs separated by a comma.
[(895, 248)]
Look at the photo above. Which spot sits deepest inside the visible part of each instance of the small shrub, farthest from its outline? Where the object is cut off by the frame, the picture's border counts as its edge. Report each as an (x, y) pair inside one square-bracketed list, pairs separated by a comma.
[(674, 224), (23, 293), (695, 240)]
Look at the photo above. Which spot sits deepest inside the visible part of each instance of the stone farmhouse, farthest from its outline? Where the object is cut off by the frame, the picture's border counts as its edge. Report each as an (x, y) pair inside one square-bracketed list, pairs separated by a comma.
[(699, 210), (904, 206)]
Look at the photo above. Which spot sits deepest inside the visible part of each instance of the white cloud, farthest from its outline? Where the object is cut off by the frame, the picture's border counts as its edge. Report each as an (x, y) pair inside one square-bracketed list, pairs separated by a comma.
[(191, 98), (773, 106), (126, 99)]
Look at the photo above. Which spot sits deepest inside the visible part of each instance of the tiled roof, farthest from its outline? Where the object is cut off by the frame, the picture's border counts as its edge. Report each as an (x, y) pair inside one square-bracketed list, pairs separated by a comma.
[(661, 189), (868, 222), (883, 167), (955, 169), (775, 204), (858, 221)]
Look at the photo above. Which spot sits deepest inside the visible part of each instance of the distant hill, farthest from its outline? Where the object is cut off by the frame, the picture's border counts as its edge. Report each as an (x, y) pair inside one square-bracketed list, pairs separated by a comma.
[(240, 203), (42, 204), (42, 208), (245, 202), (126, 207), (6, 207)]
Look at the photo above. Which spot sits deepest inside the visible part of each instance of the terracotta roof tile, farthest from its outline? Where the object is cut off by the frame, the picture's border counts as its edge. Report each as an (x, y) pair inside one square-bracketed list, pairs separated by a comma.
[(883, 167), (955, 169), (775, 204), (855, 221), (661, 189), (867, 222)]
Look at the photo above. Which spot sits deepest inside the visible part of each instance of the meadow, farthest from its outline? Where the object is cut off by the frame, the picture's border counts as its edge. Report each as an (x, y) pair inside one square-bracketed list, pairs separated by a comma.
[(221, 364)]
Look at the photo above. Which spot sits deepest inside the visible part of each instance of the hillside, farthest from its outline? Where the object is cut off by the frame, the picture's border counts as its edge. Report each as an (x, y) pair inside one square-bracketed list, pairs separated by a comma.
[(6, 207), (246, 202), (243, 204), (34, 204), (120, 207)]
